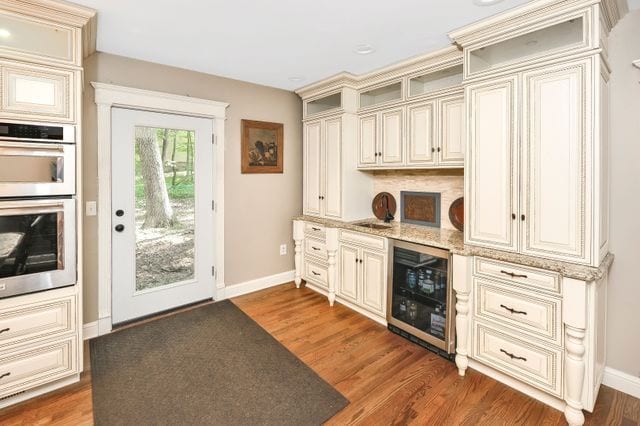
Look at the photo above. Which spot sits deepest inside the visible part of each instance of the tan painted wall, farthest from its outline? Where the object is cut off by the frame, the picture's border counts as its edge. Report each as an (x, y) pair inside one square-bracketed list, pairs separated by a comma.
[(449, 183), (258, 208), (623, 325)]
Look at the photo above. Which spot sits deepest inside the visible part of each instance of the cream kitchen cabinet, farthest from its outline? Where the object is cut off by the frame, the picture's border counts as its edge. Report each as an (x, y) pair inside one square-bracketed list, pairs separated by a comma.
[(382, 138), (37, 93), (435, 132), (530, 163)]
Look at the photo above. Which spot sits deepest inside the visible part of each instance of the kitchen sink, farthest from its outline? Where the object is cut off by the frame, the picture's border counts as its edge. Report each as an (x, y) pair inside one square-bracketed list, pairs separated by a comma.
[(372, 225)]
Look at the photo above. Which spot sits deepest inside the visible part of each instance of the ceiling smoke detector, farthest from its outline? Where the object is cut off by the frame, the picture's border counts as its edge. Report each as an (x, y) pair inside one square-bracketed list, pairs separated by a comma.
[(364, 49), (486, 2)]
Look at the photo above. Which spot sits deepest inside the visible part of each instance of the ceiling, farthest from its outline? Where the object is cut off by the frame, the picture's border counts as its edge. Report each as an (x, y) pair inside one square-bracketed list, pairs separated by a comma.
[(281, 43)]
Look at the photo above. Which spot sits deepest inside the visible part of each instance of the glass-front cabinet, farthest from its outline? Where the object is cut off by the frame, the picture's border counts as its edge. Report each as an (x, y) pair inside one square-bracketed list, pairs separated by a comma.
[(420, 302)]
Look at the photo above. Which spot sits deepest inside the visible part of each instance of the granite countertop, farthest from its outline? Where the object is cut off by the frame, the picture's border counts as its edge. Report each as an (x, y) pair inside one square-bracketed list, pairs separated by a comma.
[(454, 242)]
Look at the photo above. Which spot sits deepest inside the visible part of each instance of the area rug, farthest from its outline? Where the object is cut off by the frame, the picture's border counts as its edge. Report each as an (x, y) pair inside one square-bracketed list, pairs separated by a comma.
[(209, 366)]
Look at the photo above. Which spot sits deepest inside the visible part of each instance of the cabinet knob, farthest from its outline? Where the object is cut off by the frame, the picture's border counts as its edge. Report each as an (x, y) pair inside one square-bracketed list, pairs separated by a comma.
[(522, 217), (375, 154), (438, 149), (433, 149), (379, 154), (360, 260), (513, 216)]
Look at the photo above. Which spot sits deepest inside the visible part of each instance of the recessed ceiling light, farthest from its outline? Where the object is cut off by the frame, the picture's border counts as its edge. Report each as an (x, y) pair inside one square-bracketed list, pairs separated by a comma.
[(296, 79), (364, 49), (4, 33), (486, 2)]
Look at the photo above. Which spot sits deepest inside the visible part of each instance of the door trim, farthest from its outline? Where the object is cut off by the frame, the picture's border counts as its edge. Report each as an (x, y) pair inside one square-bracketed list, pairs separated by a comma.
[(108, 96)]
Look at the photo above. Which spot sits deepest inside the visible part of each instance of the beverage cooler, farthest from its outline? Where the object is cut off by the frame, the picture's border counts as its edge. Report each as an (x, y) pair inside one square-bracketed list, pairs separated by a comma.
[(420, 300)]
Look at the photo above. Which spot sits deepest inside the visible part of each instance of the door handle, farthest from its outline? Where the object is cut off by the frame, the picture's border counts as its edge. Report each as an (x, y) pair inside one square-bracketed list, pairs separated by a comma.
[(119, 228)]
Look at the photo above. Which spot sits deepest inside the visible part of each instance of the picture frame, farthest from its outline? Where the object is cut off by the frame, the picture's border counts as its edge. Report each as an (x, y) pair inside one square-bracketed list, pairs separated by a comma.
[(262, 147)]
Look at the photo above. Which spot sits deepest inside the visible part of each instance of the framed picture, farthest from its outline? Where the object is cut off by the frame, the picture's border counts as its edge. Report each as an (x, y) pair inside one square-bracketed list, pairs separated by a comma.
[(262, 147)]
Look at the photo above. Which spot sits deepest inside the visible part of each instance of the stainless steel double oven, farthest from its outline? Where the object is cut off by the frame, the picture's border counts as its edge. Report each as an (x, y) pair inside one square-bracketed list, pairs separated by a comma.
[(37, 207)]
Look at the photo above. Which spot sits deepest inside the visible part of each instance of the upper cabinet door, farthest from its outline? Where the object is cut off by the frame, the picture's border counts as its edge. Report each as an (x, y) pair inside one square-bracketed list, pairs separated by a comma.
[(452, 141), (368, 141), (313, 168), (421, 147), (349, 266), (373, 281), (492, 175), (37, 93), (556, 134), (333, 174), (392, 137)]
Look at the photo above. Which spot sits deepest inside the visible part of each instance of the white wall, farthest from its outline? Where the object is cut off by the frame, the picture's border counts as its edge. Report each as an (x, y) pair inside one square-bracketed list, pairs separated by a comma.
[(623, 327)]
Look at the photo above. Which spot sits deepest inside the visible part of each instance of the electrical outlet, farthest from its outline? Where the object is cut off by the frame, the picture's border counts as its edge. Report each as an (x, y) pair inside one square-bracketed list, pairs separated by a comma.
[(283, 249), (90, 208)]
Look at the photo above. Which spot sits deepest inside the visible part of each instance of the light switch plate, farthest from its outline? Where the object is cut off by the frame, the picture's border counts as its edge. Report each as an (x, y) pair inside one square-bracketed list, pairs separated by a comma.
[(90, 208)]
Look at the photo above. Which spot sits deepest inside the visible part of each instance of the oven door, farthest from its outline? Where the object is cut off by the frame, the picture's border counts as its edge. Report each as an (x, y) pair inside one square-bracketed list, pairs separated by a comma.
[(37, 245), (36, 169)]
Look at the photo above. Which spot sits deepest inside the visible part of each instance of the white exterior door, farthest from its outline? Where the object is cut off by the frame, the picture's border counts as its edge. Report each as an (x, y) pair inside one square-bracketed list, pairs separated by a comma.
[(392, 137), (368, 140), (492, 175), (349, 266), (555, 136), (421, 147), (373, 281), (333, 175), (313, 168), (162, 192), (452, 141)]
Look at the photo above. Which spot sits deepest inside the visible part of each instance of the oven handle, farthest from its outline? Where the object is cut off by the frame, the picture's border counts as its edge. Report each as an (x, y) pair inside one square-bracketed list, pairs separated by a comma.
[(31, 149), (11, 209)]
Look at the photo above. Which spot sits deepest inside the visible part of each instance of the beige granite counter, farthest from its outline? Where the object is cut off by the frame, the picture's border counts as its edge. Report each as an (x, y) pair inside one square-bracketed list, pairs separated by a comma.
[(454, 242)]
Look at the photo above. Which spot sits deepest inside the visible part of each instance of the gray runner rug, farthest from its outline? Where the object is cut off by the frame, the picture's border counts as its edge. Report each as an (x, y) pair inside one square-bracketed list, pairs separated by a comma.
[(212, 365)]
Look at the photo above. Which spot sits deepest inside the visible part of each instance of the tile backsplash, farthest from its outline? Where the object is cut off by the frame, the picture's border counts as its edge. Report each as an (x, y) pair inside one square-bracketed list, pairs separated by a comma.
[(449, 183)]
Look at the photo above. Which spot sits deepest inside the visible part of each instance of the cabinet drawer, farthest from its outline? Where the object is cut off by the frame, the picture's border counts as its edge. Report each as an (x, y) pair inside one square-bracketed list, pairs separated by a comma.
[(36, 366), (523, 275), (538, 366), (38, 321), (524, 311), (368, 241), (37, 93), (315, 230), (316, 273), (315, 247)]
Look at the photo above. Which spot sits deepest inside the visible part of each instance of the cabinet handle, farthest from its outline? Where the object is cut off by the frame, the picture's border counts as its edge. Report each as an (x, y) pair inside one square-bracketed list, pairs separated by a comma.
[(512, 275), (315, 229), (315, 273), (315, 248), (513, 216), (5, 375), (4, 330), (522, 217), (512, 356), (513, 311)]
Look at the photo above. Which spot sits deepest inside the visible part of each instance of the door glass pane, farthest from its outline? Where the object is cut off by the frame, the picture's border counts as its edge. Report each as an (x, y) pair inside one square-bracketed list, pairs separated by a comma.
[(165, 206)]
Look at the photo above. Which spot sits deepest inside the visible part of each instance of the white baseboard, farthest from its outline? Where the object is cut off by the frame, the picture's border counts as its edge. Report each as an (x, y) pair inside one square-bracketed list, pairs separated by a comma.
[(257, 284), (622, 382), (90, 330)]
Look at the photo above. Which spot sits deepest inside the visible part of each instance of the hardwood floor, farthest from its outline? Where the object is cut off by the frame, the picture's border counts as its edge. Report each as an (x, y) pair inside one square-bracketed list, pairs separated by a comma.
[(387, 379)]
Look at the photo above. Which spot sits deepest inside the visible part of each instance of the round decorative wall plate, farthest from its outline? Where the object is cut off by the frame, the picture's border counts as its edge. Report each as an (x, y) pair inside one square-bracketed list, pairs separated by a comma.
[(381, 203), (456, 214)]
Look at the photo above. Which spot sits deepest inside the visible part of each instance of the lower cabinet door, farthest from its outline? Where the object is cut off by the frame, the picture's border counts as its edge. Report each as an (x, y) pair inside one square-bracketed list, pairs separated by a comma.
[(349, 265), (373, 281), (25, 369)]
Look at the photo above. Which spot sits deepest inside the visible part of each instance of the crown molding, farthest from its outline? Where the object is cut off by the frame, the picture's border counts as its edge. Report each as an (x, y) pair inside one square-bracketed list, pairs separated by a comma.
[(62, 12), (432, 61)]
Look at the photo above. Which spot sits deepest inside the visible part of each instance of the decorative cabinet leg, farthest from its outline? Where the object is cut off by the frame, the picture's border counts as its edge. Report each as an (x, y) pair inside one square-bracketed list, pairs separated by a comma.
[(332, 251), (298, 237), (574, 374), (462, 324)]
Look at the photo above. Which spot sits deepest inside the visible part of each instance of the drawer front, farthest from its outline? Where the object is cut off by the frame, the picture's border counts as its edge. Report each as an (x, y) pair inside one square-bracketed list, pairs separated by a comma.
[(524, 311), (368, 241), (34, 322), (316, 248), (36, 366), (316, 273), (37, 93), (518, 274), (314, 230), (535, 365)]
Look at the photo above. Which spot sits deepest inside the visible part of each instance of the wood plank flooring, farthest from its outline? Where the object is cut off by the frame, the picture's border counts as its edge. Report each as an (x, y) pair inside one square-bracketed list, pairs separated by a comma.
[(388, 380)]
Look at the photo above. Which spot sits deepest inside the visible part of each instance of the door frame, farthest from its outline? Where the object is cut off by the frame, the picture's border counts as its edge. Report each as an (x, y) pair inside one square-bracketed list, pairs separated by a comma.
[(108, 96)]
